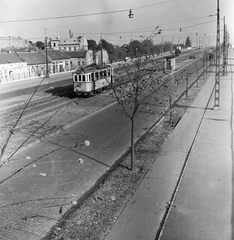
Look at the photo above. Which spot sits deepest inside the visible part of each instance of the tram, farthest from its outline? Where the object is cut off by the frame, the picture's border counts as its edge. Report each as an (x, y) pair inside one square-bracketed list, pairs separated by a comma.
[(90, 80)]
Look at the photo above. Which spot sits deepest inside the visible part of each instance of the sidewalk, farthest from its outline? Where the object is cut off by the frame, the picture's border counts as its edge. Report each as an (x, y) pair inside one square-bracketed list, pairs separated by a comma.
[(188, 192)]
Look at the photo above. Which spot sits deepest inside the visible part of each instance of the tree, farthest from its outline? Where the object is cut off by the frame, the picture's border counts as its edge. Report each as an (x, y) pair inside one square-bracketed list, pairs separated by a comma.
[(40, 45), (109, 47), (135, 93), (92, 45), (188, 42), (135, 49)]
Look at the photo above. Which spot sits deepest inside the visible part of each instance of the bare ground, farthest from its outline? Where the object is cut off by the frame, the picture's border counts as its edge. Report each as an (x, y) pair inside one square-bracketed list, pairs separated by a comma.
[(94, 217)]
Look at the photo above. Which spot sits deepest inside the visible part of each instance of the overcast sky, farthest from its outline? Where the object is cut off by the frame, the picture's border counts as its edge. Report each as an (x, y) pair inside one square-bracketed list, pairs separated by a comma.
[(112, 20)]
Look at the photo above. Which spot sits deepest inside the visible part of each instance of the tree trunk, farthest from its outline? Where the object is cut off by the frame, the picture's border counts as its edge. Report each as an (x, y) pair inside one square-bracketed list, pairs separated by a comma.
[(132, 145)]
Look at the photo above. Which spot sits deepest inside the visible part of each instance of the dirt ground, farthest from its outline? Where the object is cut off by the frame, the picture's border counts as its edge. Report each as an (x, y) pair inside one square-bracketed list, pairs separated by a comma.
[(94, 217)]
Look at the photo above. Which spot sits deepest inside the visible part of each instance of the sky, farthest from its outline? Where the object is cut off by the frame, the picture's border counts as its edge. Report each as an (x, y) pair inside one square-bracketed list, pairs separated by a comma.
[(35, 19)]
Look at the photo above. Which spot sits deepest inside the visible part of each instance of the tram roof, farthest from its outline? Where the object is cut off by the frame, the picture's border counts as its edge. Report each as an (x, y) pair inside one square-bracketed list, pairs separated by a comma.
[(91, 69)]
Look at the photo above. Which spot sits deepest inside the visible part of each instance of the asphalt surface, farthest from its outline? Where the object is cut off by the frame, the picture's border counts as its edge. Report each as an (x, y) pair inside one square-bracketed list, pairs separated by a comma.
[(188, 192)]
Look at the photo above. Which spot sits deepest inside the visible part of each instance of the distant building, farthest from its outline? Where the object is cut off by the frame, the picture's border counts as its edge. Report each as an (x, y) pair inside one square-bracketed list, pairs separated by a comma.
[(69, 44), (13, 42)]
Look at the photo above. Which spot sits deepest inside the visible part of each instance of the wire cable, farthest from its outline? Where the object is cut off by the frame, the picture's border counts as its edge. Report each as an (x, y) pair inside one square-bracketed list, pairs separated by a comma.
[(80, 15)]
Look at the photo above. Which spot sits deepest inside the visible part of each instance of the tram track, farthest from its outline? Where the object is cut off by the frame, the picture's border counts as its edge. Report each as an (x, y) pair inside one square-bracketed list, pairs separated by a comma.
[(48, 103)]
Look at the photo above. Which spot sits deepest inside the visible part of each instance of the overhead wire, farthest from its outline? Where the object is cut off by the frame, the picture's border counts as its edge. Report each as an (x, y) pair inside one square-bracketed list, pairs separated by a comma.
[(81, 15)]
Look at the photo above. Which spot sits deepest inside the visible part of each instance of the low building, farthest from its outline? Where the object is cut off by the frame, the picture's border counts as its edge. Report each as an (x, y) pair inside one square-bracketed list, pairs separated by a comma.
[(12, 68), (80, 58), (102, 57), (60, 61), (36, 62)]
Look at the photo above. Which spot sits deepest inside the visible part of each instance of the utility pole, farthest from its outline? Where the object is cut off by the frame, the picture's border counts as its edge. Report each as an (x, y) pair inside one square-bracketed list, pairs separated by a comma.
[(162, 45), (46, 63), (172, 44), (224, 47), (217, 63), (101, 50)]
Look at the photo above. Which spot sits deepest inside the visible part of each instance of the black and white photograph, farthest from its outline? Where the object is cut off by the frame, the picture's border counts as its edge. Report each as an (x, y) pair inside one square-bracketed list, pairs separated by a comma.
[(117, 120)]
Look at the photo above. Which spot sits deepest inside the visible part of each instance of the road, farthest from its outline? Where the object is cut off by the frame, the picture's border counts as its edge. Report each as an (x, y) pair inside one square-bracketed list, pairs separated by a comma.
[(43, 181), (25, 87)]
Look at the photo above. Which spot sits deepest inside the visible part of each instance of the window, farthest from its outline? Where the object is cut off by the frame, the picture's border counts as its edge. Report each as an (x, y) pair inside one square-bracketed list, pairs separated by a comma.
[(83, 77), (83, 63), (96, 75), (69, 48), (75, 78), (80, 78), (92, 76), (74, 48)]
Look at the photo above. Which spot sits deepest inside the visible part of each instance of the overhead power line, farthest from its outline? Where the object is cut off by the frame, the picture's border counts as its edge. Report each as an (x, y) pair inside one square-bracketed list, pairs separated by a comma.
[(81, 15)]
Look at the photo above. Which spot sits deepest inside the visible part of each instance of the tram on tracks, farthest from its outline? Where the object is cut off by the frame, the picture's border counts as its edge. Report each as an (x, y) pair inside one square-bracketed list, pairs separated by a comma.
[(90, 80)]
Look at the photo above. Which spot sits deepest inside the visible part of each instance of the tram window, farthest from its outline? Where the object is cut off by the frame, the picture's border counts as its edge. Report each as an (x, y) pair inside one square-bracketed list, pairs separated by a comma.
[(101, 74), (75, 76), (83, 78), (92, 76), (80, 78), (105, 73), (97, 75)]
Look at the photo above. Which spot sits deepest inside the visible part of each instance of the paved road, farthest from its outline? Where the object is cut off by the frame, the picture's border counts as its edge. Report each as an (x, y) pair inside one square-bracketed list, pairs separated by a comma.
[(45, 179)]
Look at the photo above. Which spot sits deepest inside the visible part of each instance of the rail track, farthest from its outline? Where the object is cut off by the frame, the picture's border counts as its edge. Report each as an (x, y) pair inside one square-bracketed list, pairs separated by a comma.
[(46, 104)]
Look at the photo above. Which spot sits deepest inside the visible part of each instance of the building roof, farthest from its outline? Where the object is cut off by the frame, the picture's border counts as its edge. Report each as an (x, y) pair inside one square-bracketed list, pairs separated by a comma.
[(76, 54), (32, 58), (57, 54), (9, 58)]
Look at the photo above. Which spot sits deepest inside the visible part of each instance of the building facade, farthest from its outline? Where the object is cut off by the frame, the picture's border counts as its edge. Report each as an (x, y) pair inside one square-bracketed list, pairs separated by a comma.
[(13, 42), (60, 61), (36, 63), (12, 68), (69, 44), (81, 58)]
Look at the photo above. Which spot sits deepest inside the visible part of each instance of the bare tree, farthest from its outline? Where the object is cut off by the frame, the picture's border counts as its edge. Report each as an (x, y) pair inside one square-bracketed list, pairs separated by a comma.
[(134, 94)]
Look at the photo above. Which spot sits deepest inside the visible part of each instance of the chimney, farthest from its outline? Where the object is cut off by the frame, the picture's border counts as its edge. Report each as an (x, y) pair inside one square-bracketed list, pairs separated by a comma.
[(70, 34)]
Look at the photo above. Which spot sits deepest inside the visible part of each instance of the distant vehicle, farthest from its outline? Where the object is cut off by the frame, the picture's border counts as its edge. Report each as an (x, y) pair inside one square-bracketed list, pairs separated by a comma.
[(192, 57), (177, 52), (90, 80)]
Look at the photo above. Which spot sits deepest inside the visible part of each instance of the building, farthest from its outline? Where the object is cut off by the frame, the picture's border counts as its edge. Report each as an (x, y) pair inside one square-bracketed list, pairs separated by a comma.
[(80, 58), (69, 44), (101, 57), (60, 61), (13, 42), (36, 62), (12, 68)]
